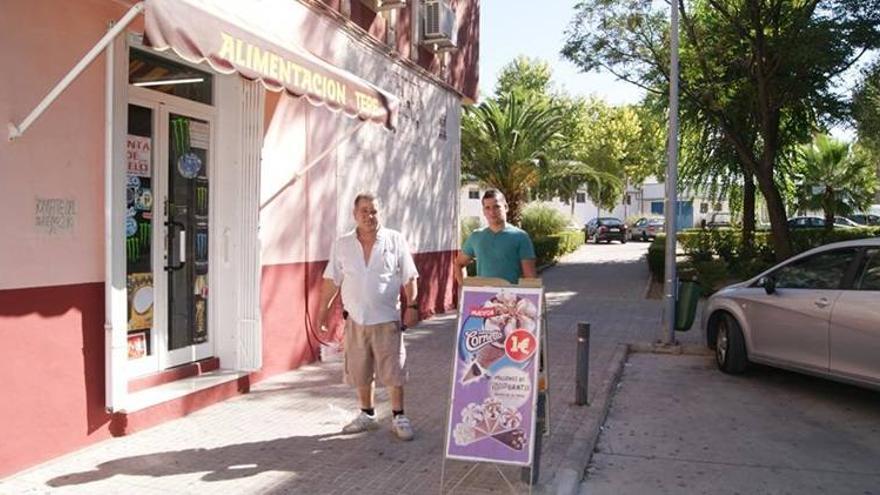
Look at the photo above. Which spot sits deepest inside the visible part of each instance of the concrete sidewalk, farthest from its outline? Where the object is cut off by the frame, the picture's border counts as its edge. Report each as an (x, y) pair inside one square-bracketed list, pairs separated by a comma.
[(283, 437), (678, 425)]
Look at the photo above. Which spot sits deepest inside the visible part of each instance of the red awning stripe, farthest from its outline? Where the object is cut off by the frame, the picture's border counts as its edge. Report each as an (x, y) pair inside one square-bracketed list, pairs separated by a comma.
[(199, 30)]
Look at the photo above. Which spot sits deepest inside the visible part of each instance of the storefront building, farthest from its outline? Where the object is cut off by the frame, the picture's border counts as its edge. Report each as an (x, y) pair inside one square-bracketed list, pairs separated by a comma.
[(169, 207)]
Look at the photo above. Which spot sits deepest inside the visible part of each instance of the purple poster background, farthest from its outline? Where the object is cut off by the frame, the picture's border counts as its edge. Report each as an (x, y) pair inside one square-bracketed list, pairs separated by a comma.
[(494, 382)]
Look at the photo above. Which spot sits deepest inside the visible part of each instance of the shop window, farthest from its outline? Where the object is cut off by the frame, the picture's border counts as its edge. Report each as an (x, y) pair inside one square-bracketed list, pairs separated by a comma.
[(158, 74), (581, 197), (474, 194)]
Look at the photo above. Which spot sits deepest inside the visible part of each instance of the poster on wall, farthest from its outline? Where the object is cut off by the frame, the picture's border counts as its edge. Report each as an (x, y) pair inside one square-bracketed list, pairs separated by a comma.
[(495, 371), (137, 345), (140, 301), (138, 152)]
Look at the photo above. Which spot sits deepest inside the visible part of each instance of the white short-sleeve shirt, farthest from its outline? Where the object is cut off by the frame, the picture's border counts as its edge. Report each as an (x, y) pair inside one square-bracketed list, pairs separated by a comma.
[(370, 292)]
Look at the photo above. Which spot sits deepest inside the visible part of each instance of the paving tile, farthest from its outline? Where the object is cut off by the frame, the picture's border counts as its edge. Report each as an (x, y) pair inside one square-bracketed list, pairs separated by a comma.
[(282, 438)]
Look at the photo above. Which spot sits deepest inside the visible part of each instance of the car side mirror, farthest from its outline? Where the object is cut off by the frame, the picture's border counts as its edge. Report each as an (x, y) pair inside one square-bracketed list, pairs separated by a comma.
[(768, 283)]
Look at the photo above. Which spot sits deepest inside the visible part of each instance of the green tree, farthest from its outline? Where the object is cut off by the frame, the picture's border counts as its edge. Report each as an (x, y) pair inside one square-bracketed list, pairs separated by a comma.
[(834, 179), (571, 160), (866, 113), (760, 72), (504, 145), (603, 148), (526, 77)]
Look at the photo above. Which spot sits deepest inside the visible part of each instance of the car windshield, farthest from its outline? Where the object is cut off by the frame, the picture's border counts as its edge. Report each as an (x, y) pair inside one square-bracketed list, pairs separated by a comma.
[(656, 221), (611, 222)]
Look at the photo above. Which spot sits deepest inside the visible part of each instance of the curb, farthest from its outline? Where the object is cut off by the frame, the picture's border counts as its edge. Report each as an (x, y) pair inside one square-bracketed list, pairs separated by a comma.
[(579, 453), (545, 266), (676, 349)]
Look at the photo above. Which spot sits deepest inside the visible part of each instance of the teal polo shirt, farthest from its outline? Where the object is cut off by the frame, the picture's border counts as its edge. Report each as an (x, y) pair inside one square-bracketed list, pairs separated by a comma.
[(499, 254)]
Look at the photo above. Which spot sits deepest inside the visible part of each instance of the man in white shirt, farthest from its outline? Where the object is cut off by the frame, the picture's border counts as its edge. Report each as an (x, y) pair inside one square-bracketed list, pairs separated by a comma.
[(370, 264)]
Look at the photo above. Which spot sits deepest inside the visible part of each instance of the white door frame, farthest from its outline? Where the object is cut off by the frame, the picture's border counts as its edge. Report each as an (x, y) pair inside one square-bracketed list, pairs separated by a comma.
[(234, 316), (162, 105)]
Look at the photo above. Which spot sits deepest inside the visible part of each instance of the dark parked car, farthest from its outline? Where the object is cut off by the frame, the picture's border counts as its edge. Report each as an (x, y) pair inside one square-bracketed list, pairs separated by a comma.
[(807, 222), (718, 220), (606, 229), (647, 228)]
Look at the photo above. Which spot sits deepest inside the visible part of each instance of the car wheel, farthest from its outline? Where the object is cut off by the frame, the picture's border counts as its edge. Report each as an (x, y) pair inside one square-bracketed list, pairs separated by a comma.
[(730, 346), (623, 240)]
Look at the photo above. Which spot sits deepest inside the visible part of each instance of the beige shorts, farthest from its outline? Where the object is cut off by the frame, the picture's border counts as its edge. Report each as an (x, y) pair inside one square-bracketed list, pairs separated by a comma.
[(374, 351)]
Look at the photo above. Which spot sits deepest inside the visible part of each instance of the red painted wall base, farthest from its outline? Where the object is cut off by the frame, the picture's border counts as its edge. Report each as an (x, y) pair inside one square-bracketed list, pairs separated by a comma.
[(52, 357)]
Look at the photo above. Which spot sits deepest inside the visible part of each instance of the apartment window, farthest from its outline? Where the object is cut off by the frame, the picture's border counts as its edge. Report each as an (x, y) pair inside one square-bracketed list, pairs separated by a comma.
[(580, 197), (704, 207), (717, 206), (473, 194)]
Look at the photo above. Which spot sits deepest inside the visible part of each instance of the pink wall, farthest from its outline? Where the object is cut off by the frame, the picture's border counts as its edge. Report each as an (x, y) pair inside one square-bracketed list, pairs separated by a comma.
[(52, 361), (464, 63), (52, 160), (290, 298), (51, 290)]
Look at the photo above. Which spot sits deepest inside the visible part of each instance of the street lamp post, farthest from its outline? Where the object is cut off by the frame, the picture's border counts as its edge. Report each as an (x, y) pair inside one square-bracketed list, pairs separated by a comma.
[(670, 288)]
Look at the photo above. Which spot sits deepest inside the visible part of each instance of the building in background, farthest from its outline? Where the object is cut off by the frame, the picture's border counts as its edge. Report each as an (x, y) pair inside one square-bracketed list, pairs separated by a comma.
[(168, 217), (646, 199)]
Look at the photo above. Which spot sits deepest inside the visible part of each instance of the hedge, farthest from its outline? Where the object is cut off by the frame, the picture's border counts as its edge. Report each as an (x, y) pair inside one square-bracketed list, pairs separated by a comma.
[(708, 250), (550, 248)]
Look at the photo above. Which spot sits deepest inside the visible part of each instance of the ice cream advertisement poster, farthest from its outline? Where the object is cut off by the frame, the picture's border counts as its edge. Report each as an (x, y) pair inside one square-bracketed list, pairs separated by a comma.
[(495, 371)]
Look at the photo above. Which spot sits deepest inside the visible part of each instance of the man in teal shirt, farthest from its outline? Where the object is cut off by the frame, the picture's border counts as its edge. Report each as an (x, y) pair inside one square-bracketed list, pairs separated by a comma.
[(501, 250)]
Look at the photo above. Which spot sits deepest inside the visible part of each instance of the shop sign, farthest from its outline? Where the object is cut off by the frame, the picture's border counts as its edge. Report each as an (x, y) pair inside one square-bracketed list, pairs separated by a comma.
[(138, 153), (54, 215)]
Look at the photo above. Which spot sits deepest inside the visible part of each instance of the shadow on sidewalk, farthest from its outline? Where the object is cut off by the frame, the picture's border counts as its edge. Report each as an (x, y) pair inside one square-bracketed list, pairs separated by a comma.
[(221, 463)]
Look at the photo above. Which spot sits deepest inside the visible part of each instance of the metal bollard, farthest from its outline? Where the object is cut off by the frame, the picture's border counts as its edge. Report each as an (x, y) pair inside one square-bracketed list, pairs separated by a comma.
[(582, 379)]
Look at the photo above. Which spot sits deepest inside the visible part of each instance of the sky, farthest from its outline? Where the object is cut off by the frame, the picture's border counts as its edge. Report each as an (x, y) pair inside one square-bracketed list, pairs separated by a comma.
[(536, 29)]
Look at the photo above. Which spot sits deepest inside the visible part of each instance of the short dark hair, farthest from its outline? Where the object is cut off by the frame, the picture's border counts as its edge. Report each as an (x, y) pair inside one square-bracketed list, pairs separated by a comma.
[(494, 194), (364, 196)]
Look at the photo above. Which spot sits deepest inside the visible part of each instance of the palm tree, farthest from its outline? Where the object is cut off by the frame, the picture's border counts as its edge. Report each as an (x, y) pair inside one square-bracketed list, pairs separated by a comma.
[(505, 144), (833, 179)]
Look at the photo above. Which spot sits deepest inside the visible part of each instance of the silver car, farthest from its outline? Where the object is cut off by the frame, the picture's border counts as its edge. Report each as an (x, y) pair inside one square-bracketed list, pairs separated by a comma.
[(817, 313), (647, 228)]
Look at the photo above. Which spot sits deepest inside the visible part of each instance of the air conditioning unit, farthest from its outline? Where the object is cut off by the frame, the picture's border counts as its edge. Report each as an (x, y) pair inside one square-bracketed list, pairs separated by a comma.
[(438, 26), (383, 5)]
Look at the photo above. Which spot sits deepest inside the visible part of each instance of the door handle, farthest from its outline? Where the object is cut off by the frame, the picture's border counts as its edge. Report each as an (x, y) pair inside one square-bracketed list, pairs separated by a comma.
[(822, 302), (181, 244)]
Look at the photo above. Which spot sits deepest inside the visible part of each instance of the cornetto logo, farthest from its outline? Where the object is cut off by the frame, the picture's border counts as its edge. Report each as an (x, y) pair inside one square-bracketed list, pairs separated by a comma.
[(477, 339)]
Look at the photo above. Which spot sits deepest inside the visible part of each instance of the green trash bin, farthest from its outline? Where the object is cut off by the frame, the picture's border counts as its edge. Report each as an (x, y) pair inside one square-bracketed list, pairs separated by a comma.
[(686, 305)]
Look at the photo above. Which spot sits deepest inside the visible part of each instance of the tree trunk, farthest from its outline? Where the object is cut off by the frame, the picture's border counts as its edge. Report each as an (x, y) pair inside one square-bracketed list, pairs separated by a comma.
[(748, 213), (776, 209), (828, 205), (514, 212)]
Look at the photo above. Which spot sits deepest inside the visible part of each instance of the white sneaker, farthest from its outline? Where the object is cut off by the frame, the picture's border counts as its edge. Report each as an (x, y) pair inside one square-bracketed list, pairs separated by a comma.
[(362, 422), (402, 427)]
